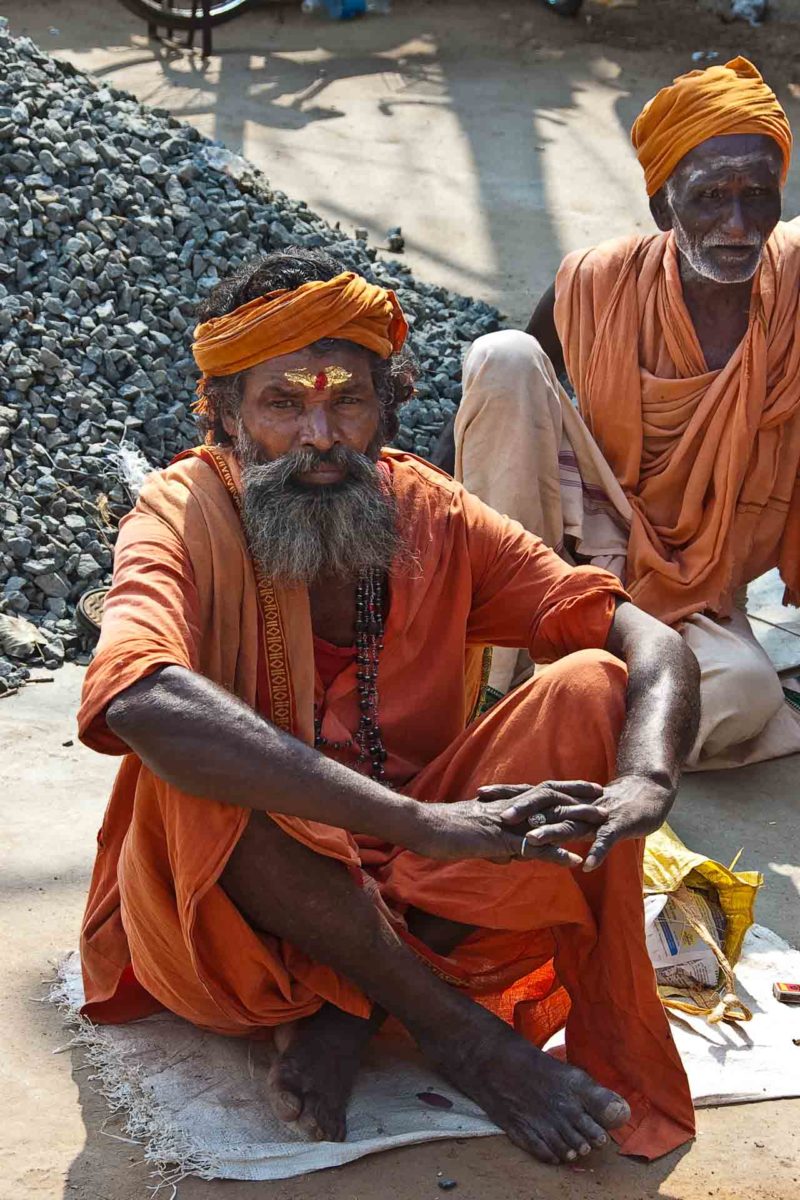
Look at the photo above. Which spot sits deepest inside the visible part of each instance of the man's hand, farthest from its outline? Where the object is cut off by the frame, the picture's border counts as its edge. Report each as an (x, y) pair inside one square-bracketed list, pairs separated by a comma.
[(631, 806), (495, 825)]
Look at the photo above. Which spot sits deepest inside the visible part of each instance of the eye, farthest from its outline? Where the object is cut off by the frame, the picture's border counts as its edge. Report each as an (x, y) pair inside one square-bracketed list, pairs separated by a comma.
[(282, 402), (711, 194), (758, 191), (348, 400)]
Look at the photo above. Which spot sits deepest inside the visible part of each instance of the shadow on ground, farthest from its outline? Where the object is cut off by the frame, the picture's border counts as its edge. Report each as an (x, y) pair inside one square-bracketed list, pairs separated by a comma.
[(495, 135)]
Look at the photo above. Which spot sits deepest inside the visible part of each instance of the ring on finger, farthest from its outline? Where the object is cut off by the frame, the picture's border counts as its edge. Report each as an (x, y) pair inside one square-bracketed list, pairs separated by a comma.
[(537, 820)]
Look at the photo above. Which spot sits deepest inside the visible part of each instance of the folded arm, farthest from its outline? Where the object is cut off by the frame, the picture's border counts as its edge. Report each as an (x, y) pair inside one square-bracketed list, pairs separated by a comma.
[(542, 326), (663, 712), (202, 740)]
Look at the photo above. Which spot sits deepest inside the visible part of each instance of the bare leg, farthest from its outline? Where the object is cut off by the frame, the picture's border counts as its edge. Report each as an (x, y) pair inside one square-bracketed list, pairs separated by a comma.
[(318, 1059), (552, 1110)]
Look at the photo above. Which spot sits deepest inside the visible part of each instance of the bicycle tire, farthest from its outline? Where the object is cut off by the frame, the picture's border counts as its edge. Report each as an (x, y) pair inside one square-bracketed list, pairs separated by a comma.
[(158, 12), (564, 8)]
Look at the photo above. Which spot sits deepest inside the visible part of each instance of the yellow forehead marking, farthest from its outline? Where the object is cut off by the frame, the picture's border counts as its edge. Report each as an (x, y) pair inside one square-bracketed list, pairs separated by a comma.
[(328, 377), (337, 376), (304, 378)]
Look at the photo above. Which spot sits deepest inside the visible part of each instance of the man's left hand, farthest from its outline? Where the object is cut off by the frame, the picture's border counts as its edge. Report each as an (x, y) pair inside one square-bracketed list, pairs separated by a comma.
[(632, 805)]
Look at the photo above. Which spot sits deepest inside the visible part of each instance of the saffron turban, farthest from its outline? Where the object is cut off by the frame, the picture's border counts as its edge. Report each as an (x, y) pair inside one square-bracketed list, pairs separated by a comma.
[(281, 322), (702, 105)]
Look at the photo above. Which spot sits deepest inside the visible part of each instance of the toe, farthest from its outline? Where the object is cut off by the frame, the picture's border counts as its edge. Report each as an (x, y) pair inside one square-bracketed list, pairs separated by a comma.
[(572, 1135), (559, 1146), (286, 1105), (322, 1120), (594, 1133), (285, 1093), (531, 1143), (607, 1108), (311, 1127)]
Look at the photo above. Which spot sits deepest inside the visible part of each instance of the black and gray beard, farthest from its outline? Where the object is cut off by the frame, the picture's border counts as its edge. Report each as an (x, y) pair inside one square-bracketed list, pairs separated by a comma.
[(297, 533)]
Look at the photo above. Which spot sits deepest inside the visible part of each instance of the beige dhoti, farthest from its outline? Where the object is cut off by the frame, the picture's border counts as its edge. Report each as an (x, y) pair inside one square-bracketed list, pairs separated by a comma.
[(522, 447)]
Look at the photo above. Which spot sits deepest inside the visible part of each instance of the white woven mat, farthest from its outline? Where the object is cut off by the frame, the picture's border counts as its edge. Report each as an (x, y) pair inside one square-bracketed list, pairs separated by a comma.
[(196, 1103)]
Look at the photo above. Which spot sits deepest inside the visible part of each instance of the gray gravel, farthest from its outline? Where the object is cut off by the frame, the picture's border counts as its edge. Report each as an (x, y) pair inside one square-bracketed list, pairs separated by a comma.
[(115, 220)]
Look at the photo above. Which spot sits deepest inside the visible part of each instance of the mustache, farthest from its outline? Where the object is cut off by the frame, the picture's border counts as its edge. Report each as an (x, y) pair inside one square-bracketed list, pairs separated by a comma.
[(715, 241), (283, 471)]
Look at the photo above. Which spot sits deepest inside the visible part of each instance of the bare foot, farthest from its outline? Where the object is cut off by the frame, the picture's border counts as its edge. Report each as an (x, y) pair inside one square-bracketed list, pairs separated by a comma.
[(554, 1111), (312, 1077)]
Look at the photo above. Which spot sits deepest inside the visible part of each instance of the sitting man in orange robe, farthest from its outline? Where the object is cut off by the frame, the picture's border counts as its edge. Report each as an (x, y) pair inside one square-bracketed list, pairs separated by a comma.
[(683, 350), (308, 829)]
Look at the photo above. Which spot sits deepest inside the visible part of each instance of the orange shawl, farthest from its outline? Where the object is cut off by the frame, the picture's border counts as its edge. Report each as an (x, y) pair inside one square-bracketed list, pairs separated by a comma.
[(708, 459)]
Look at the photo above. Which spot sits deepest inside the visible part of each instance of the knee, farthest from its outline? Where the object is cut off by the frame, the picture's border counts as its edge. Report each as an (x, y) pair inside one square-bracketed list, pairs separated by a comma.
[(588, 686), (590, 671), (506, 350), (572, 714), (749, 686), (509, 382)]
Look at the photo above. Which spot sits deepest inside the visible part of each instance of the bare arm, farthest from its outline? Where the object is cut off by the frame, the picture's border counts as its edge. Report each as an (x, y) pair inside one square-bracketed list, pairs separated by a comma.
[(443, 454), (542, 326), (198, 738), (663, 696), (663, 713)]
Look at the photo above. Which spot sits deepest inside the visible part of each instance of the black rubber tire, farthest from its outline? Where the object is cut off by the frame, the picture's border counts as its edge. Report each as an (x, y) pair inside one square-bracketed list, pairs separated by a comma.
[(180, 17), (564, 8)]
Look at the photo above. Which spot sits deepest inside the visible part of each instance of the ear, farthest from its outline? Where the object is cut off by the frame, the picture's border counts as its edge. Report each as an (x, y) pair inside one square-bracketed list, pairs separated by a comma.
[(661, 211), (229, 423), (230, 406)]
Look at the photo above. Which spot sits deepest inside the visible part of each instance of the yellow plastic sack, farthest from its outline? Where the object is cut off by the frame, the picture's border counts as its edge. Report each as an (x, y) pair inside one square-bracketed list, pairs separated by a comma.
[(669, 869)]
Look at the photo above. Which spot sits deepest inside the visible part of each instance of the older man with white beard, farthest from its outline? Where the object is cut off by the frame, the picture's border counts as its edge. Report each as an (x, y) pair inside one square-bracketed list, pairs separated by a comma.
[(679, 472), (310, 827)]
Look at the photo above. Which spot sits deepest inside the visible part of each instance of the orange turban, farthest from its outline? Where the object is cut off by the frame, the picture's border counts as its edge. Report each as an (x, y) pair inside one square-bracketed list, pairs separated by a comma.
[(702, 105), (346, 307)]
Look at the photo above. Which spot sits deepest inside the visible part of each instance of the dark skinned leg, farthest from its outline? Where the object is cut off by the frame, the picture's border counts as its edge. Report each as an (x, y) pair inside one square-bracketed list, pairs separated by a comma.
[(312, 1077), (552, 1110)]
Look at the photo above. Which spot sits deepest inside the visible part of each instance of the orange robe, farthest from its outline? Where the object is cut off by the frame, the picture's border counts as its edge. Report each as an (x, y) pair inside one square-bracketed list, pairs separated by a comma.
[(708, 459), (552, 946)]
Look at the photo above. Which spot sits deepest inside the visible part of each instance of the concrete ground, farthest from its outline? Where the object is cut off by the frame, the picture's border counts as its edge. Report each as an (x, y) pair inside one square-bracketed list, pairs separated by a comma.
[(496, 136)]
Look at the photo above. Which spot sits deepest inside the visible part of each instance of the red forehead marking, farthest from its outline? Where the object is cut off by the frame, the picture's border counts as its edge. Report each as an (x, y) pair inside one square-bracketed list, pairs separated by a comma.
[(321, 382)]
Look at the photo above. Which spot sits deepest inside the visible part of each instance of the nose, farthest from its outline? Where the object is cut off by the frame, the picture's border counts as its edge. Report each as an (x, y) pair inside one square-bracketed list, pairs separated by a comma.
[(317, 430), (735, 224)]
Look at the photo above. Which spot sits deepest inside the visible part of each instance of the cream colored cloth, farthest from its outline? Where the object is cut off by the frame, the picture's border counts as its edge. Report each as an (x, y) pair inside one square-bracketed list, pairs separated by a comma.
[(744, 717), (523, 448)]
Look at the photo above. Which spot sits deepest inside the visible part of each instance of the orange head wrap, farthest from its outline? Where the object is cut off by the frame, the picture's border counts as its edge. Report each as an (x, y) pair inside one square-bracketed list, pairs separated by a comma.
[(346, 307), (702, 105)]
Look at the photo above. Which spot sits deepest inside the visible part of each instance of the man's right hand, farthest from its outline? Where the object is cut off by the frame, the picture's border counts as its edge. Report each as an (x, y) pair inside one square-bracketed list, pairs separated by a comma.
[(493, 825)]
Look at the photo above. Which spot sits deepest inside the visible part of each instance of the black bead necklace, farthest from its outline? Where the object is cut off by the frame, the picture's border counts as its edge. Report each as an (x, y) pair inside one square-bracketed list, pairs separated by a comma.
[(369, 643)]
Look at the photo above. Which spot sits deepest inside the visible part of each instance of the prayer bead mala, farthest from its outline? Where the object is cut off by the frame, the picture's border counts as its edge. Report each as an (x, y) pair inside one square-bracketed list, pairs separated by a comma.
[(369, 643)]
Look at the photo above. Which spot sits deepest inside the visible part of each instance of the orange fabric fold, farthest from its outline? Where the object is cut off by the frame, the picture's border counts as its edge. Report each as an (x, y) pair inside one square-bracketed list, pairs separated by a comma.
[(551, 946), (708, 459), (704, 104), (347, 307)]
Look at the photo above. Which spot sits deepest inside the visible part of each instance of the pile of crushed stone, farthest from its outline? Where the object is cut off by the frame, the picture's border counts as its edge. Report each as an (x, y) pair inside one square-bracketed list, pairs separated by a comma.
[(115, 221)]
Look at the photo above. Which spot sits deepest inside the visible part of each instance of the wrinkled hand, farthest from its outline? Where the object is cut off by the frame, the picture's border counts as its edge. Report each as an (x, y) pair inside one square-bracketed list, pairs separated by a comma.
[(631, 806), (495, 824)]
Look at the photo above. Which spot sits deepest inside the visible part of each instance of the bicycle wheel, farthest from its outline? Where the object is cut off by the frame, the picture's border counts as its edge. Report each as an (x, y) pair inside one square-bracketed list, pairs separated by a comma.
[(159, 12), (564, 8)]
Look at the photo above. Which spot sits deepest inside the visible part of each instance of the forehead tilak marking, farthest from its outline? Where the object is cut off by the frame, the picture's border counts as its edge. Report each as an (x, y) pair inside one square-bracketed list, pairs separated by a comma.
[(731, 162), (332, 376)]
